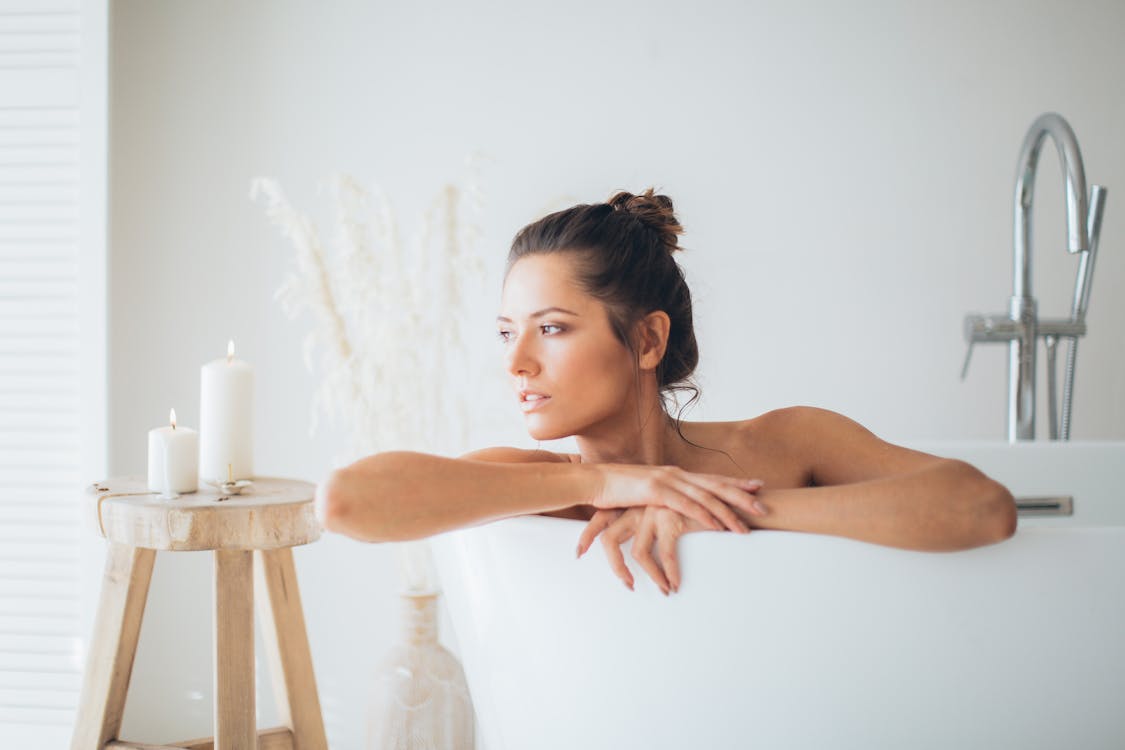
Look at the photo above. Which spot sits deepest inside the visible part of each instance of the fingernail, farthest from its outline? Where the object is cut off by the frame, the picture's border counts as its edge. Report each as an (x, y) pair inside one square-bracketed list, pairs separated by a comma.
[(760, 508), (578, 551), (753, 482)]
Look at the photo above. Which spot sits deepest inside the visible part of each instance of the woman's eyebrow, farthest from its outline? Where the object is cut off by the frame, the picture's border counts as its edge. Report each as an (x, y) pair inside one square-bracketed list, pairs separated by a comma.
[(539, 314)]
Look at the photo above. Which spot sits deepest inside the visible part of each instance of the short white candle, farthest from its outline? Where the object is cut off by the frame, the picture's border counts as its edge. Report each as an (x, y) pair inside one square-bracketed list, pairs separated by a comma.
[(173, 458), (226, 419)]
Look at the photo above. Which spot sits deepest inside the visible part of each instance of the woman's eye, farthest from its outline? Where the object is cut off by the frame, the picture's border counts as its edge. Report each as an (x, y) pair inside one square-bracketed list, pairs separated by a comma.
[(548, 328)]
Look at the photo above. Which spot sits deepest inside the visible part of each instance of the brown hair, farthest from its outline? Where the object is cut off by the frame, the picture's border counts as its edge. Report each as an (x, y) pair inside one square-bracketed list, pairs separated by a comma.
[(624, 249)]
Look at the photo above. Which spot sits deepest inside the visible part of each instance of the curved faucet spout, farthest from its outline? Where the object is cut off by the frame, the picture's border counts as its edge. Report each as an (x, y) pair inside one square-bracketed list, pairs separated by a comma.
[(1049, 124), (1021, 328)]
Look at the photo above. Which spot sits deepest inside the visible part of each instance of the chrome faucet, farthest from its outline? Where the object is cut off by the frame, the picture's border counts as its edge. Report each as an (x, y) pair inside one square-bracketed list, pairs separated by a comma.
[(1021, 328)]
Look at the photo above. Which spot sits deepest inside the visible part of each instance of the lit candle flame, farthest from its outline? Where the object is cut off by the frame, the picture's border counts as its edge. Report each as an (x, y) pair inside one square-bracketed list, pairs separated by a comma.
[(172, 418), (230, 351)]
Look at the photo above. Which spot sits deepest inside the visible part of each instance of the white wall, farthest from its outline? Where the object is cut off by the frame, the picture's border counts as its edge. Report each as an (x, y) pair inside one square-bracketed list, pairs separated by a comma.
[(844, 173)]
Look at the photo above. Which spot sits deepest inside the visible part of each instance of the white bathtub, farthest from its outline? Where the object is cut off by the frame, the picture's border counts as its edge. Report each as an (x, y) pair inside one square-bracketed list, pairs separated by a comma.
[(790, 640)]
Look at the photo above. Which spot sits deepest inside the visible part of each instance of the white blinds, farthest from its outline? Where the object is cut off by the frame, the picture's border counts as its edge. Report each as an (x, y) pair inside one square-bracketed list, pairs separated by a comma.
[(40, 451)]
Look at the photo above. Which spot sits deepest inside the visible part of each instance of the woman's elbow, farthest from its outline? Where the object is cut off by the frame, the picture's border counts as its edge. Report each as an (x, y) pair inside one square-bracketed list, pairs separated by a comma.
[(331, 500), (338, 510), (1005, 510), (994, 506)]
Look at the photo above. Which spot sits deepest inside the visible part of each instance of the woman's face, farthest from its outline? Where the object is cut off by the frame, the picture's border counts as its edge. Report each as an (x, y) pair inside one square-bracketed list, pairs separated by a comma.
[(569, 371)]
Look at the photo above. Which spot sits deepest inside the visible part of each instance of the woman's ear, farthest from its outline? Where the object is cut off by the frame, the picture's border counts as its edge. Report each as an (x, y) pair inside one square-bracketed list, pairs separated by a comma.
[(652, 339)]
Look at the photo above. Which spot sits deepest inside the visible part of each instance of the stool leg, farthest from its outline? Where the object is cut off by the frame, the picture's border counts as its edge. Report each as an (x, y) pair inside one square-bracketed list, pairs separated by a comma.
[(109, 663), (235, 715), (287, 646)]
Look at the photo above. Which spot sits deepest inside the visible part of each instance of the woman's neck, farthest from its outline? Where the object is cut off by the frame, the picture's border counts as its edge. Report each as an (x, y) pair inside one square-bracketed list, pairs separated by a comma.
[(652, 440)]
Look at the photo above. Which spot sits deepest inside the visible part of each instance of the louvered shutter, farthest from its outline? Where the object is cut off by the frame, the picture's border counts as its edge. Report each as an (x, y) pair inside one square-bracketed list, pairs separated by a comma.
[(41, 303)]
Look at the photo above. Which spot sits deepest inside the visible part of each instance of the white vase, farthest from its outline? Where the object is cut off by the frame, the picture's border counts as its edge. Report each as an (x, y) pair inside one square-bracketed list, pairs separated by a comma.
[(420, 700)]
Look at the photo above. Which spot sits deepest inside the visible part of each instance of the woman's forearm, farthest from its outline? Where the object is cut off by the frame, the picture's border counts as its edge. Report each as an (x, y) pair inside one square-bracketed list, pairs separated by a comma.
[(403, 495), (948, 506)]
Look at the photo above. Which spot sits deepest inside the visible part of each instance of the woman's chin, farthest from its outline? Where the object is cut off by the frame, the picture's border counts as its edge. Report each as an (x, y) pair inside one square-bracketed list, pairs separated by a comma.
[(544, 432), (544, 435)]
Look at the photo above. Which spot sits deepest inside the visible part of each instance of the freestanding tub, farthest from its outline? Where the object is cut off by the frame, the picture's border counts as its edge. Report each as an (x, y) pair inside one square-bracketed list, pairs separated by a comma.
[(782, 639)]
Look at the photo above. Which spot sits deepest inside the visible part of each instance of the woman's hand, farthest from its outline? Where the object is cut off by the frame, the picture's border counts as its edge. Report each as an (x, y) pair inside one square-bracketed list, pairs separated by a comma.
[(648, 524), (702, 497)]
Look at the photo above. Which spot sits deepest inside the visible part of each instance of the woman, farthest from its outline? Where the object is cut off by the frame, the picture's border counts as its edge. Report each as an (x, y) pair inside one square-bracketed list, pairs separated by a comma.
[(596, 325)]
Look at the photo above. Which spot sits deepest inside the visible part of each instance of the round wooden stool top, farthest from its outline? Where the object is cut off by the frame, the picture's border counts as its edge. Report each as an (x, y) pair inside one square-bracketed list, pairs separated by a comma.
[(273, 513)]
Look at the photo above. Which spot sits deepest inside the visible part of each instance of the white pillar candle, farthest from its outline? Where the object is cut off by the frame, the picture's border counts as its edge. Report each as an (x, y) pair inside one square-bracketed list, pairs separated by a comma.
[(173, 458), (226, 419)]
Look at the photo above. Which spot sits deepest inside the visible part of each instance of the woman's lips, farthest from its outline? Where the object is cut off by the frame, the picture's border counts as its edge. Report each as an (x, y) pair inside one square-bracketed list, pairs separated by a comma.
[(532, 403)]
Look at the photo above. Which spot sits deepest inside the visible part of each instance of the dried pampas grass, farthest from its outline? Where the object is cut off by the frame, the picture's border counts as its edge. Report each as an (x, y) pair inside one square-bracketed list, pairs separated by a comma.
[(388, 338)]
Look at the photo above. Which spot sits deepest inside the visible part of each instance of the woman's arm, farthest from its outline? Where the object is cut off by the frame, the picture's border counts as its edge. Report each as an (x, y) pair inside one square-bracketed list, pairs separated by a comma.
[(874, 491), (402, 495)]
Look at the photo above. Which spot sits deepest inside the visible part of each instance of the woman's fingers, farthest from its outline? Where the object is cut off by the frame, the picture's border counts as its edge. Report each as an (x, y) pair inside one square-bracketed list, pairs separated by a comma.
[(676, 499), (716, 505), (737, 492), (666, 549), (642, 551), (617, 534), (748, 484), (630, 486), (597, 523), (712, 494), (647, 527)]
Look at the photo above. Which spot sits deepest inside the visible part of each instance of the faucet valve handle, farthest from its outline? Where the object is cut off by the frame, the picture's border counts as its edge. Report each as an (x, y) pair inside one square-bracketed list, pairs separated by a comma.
[(991, 328), (968, 355), (988, 328)]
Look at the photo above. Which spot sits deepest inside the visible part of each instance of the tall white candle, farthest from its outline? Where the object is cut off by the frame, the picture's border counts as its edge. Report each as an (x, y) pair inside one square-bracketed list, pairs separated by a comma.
[(226, 419), (173, 458)]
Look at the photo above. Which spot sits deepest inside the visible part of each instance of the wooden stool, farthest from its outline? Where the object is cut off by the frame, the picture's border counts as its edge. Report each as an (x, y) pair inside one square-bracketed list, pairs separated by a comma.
[(251, 535)]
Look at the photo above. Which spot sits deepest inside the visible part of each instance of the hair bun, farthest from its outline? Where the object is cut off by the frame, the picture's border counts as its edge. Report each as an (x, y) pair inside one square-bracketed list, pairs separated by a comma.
[(655, 211)]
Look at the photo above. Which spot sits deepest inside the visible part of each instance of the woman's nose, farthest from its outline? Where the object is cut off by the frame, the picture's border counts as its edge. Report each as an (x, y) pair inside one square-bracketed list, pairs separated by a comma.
[(521, 358)]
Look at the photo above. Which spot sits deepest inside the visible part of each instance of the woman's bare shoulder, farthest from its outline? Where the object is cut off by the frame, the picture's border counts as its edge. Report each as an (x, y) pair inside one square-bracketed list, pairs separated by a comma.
[(767, 446), (504, 454), (736, 432), (797, 433), (832, 447), (784, 419)]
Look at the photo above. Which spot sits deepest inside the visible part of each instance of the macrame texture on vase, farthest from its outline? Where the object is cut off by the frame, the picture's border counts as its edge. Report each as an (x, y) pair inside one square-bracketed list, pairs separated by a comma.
[(419, 698)]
